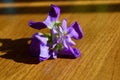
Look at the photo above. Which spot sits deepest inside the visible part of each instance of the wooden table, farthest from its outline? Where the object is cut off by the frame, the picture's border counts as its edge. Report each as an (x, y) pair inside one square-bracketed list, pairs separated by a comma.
[(100, 47)]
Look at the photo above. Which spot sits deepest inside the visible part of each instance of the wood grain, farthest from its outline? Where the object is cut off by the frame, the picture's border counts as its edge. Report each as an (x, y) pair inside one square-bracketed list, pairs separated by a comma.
[(100, 47)]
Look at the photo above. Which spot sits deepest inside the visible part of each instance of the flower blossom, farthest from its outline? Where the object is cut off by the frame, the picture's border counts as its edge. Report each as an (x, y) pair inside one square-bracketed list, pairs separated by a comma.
[(59, 42)]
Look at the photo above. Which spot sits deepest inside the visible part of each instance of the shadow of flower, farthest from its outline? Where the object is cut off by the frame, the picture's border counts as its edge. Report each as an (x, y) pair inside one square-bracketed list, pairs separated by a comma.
[(17, 50)]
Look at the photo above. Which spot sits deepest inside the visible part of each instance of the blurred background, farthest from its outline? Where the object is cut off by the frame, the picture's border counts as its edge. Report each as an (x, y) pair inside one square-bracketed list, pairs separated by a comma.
[(100, 46), (42, 6)]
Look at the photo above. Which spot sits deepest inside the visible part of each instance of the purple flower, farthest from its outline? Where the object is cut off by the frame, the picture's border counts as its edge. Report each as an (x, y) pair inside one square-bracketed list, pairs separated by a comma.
[(59, 42), (50, 21)]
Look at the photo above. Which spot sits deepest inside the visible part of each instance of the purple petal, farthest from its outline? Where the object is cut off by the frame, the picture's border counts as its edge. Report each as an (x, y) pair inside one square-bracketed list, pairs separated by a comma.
[(41, 38), (64, 25), (37, 40), (69, 53), (37, 25), (54, 31), (69, 41), (61, 30), (75, 52), (44, 53), (65, 44), (48, 22), (35, 47), (54, 11), (53, 54), (42, 59), (53, 16), (75, 31)]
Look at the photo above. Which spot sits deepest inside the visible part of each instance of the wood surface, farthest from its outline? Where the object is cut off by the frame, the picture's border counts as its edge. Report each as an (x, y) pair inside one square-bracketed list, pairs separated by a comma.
[(100, 46)]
